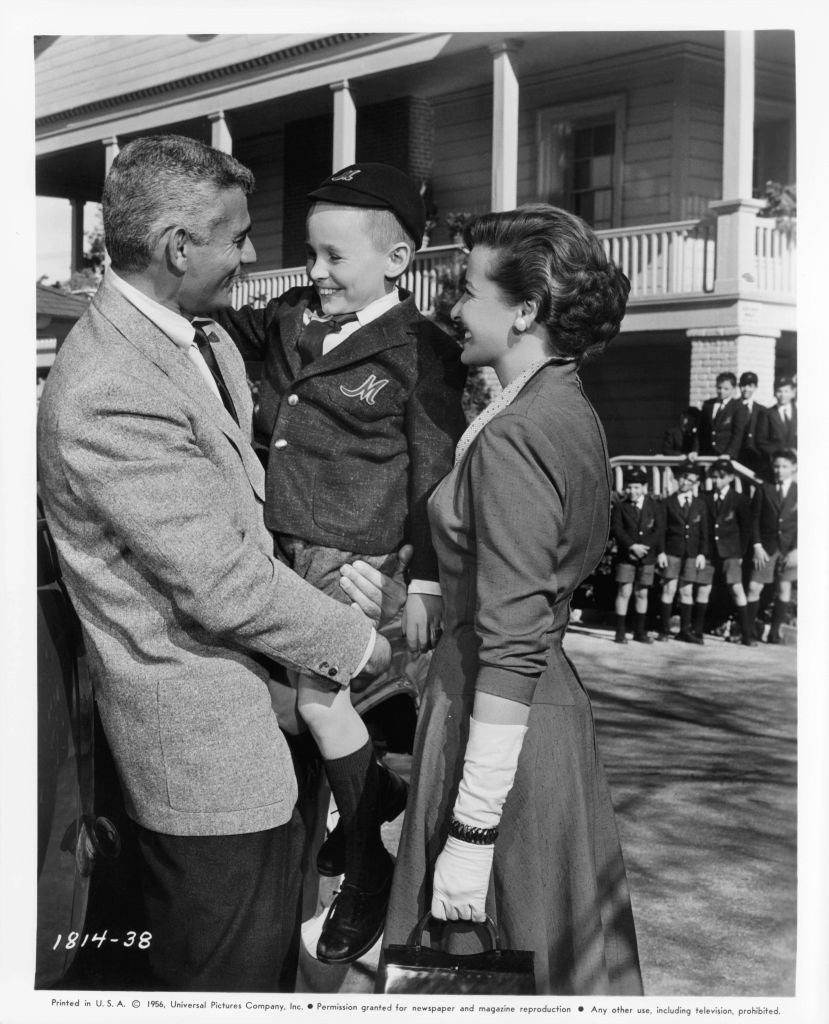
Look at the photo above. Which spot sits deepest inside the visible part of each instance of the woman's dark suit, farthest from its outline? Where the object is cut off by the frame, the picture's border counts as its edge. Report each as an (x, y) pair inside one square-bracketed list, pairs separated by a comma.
[(517, 525)]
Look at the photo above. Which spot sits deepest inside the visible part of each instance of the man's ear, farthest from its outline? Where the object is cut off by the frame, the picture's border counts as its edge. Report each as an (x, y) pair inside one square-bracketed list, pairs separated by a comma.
[(176, 248), (398, 259)]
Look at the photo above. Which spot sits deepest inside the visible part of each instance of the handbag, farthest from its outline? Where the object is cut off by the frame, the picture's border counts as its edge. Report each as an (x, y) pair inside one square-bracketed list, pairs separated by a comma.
[(419, 969)]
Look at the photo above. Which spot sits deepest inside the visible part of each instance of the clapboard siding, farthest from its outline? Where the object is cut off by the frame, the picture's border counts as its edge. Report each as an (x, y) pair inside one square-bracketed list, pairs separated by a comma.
[(265, 157)]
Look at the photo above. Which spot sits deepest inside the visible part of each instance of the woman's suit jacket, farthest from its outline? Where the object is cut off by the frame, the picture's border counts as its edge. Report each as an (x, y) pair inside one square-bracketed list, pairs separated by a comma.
[(155, 500)]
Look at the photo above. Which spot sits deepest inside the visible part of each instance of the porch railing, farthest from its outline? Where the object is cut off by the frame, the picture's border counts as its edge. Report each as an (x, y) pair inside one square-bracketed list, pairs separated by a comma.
[(662, 261)]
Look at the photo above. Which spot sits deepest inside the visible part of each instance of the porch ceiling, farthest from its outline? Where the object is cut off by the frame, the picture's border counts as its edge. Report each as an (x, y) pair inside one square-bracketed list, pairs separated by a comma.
[(427, 66)]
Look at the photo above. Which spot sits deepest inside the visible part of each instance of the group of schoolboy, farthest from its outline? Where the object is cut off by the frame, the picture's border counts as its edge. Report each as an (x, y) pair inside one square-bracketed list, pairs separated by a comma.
[(694, 538), (359, 410)]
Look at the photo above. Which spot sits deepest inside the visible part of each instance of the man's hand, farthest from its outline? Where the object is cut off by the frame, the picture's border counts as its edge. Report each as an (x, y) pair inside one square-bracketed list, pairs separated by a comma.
[(760, 556), (422, 621), (379, 597), (380, 658)]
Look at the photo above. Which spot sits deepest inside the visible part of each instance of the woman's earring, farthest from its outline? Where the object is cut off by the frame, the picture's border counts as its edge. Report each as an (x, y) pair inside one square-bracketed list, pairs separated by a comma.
[(520, 324)]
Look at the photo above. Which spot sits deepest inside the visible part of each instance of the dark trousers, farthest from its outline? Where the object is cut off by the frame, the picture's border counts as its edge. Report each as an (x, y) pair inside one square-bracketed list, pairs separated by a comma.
[(223, 910)]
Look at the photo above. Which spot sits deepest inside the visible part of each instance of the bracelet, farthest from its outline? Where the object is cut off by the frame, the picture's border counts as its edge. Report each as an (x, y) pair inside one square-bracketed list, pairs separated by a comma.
[(471, 834)]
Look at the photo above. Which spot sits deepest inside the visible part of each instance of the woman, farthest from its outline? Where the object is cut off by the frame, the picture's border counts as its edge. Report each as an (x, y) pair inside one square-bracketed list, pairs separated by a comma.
[(509, 812)]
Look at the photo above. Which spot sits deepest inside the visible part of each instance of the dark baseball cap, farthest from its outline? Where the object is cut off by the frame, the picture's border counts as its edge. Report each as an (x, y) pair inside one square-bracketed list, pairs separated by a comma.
[(380, 186)]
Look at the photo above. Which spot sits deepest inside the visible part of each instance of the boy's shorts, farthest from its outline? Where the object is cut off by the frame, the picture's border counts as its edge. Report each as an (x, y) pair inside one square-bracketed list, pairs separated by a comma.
[(682, 569), (771, 571), (642, 575), (728, 569), (321, 566)]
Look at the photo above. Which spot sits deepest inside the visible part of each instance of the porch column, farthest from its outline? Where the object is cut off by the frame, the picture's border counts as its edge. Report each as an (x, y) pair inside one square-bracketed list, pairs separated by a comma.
[(504, 126), (111, 150), (76, 244), (738, 115), (219, 132), (345, 126), (717, 350)]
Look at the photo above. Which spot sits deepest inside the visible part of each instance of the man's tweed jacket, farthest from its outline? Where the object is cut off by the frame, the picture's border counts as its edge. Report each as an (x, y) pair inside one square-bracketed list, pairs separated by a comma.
[(155, 499)]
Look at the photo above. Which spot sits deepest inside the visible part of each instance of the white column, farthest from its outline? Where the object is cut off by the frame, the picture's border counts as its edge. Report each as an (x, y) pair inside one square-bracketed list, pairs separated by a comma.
[(111, 150), (738, 115), (219, 132), (76, 248), (504, 126), (345, 126)]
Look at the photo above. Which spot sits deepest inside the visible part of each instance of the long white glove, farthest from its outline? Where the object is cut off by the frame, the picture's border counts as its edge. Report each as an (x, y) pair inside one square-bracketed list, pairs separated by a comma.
[(462, 870)]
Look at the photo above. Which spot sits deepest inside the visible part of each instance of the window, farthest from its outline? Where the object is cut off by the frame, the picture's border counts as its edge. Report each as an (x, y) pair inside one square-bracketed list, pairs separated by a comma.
[(578, 163)]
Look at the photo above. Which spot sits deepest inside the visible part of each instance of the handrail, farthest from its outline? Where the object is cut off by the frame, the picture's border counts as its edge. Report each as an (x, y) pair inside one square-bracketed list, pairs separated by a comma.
[(663, 481)]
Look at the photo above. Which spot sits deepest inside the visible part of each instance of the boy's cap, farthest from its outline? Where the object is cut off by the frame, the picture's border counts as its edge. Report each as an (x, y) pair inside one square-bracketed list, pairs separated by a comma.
[(748, 378), (721, 466), (377, 185), (634, 475), (690, 469)]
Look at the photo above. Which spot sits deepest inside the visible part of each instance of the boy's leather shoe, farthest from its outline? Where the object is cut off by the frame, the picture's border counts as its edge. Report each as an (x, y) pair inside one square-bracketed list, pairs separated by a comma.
[(690, 638), (354, 923), (393, 793), (642, 638)]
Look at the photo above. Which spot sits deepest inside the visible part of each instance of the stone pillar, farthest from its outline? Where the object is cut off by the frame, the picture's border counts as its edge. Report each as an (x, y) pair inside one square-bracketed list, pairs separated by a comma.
[(220, 132), (76, 246), (716, 350), (738, 114), (345, 126), (504, 126), (111, 150)]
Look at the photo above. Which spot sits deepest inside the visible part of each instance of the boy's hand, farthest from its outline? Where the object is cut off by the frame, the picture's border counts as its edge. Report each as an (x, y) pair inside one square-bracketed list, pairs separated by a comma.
[(639, 550), (699, 562), (760, 556), (422, 621), (662, 560)]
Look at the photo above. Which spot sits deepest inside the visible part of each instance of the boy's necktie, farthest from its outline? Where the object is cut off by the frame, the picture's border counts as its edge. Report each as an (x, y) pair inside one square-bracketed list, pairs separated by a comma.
[(206, 350), (315, 332)]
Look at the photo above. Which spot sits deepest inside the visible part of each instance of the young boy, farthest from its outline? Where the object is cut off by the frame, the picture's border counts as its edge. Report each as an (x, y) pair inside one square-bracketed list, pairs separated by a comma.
[(775, 541), (682, 553), (722, 421), (361, 407), (729, 527), (637, 526)]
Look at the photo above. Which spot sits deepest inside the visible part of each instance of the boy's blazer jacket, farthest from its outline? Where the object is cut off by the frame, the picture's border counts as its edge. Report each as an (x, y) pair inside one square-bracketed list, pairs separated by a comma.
[(775, 519), (729, 525), (629, 527), (155, 500), (722, 434), (360, 437), (774, 434), (686, 530)]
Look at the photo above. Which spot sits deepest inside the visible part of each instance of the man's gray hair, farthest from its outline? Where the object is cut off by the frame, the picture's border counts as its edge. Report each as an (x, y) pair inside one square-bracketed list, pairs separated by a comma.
[(160, 181)]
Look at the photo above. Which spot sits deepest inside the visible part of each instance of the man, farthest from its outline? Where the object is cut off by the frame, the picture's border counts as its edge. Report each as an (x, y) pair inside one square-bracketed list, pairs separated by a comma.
[(722, 422), (774, 535), (779, 428), (750, 455), (155, 500)]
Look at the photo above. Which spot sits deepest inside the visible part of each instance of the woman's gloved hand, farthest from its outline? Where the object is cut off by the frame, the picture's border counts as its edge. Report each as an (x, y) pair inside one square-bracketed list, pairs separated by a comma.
[(461, 881)]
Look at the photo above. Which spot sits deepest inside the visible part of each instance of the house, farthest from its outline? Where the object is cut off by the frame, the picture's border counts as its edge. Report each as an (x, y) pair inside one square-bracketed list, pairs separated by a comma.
[(662, 140), (57, 312)]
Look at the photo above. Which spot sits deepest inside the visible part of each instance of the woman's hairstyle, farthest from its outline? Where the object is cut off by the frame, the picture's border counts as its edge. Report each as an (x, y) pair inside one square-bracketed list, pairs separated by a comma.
[(552, 256), (159, 181)]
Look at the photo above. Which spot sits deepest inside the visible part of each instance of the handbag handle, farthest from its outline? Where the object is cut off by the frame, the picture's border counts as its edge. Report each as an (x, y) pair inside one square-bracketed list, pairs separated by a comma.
[(489, 925)]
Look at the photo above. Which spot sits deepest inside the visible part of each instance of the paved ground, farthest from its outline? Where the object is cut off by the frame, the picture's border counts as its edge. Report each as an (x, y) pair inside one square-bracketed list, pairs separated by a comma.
[(700, 748)]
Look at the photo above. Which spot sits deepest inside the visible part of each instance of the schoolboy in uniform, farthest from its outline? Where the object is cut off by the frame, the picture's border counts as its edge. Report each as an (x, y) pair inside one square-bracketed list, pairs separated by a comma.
[(750, 455), (637, 526), (779, 428), (722, 422), (729, 532), (682, 553), (361, 406), (775, 541)]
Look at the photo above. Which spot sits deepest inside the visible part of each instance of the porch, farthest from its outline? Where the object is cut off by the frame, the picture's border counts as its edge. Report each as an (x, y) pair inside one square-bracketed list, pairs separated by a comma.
[(673, 261)]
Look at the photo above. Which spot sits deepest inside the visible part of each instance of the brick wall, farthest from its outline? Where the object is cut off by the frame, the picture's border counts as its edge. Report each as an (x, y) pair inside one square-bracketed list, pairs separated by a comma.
[(715, 351)]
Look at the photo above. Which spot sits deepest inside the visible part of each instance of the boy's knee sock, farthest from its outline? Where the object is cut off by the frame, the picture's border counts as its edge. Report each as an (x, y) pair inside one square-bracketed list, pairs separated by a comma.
[(685, 618), (639, 623), (665, 609), (751, 617), (700, 608), (354, 781), (779, 614), (744, 618), (620, 626)]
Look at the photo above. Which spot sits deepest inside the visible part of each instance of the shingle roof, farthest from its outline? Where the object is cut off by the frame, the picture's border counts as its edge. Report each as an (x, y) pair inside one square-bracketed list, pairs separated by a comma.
[(53, 302)]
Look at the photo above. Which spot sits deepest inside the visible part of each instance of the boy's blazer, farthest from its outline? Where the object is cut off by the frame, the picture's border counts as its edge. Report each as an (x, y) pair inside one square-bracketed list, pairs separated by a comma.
[(155, 500), (629, 527), (360, 437), (750, 454), (722, 434), (686, 530), (775, 519), (729, 525), (775, 434)]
